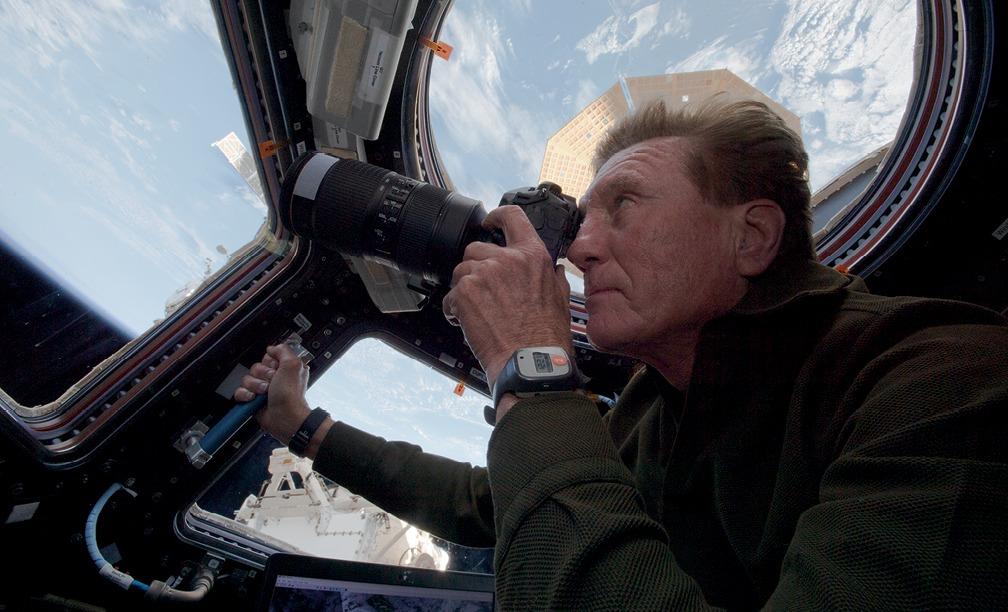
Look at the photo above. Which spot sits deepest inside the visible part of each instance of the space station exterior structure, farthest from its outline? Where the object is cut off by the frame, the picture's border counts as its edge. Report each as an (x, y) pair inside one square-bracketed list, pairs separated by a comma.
[(305, 513), (241, 160)]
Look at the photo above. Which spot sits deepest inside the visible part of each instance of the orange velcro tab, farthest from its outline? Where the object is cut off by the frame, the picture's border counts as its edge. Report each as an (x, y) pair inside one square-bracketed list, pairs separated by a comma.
[(268, 148), (460, 388), (442, 50)]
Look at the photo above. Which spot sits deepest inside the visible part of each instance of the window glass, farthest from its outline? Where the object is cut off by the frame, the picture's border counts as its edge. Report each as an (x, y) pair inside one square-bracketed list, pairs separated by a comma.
[(122, 162), (381, 391), (531, 86), (377, 389)]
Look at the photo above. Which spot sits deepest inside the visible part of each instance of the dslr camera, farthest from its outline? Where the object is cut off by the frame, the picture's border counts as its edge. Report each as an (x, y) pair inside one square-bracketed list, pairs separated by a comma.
[(370, 212)]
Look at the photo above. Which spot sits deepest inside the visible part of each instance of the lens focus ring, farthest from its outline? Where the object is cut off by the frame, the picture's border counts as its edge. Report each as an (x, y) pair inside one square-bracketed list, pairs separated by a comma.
[(348, 186), (417, 225)]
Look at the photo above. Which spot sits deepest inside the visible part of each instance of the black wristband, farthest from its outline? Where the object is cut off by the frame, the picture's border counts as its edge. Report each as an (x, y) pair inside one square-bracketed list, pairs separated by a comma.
[(302, 437)]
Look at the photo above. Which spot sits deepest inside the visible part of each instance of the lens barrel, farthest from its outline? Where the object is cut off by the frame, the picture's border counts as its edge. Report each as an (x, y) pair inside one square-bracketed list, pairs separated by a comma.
[(363, 210)]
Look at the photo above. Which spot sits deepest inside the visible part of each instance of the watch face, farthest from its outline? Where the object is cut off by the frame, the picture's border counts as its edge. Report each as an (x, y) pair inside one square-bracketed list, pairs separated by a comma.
[(542, 362)]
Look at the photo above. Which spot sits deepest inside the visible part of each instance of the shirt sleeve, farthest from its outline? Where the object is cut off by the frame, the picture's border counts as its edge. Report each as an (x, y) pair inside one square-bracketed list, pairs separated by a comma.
[(447, 498), (572, 531)]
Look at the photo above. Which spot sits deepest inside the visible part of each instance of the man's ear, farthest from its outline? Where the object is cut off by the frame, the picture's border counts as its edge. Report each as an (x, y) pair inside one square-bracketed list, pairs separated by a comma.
[(759, 229)]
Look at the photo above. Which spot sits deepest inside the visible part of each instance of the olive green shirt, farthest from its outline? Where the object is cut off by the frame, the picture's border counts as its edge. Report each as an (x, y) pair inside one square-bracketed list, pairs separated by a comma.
[(833, 449)]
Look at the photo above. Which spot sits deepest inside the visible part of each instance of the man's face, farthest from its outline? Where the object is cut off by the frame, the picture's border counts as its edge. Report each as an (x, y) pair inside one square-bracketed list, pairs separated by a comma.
[(658, 260)]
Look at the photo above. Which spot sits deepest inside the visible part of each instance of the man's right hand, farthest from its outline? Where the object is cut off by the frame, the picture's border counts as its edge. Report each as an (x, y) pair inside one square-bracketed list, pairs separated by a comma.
[(282, 374)]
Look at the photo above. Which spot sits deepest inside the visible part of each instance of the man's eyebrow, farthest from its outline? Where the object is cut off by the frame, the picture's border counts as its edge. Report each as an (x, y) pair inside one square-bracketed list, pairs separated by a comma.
[(622, 183)]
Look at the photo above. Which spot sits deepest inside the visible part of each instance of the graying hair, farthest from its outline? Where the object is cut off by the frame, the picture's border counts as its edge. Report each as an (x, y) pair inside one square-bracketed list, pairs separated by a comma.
[(740, 151)]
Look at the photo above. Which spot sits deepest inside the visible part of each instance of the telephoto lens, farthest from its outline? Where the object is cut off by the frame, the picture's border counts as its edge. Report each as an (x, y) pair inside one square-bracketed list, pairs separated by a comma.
[(367, 211)]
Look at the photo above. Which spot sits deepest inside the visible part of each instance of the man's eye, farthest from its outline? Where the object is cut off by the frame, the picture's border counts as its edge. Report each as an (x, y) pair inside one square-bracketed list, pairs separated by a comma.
[(622, 203)]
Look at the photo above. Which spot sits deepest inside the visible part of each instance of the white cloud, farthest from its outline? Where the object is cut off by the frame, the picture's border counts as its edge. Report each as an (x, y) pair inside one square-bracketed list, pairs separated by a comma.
[(557, 64), (473, 185), (378, 389), (479, 111), (252, 199), (244, 194), (742, 59), (114, 168), (842, 89), (129, 147), (524, 6), (618, 34), (848, 68), (49, 28), (141, 122), (43, 39), (677, 24), (189, 14), (587, 90)]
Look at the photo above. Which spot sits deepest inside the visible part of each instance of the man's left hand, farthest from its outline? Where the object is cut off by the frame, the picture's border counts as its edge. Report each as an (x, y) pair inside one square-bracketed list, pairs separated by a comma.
[(510, 297)]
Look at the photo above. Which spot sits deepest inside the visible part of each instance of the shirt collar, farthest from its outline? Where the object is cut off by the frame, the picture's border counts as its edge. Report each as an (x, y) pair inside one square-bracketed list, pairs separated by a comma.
[(791, 283), (773, 290)]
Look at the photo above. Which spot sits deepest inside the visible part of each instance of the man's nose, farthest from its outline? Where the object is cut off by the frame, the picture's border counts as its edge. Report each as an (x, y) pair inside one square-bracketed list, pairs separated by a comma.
[(586, 249)]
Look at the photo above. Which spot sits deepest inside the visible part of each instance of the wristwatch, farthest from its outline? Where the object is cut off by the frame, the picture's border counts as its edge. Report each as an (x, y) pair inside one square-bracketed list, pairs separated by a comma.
[(302, 437), (533, 371)]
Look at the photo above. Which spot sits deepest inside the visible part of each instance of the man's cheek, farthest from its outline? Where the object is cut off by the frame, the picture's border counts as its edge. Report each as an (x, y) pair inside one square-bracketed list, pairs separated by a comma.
[(603, 325)]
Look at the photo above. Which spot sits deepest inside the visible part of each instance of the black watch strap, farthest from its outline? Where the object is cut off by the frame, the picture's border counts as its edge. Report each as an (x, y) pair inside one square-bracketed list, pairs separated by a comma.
[(299, 443)]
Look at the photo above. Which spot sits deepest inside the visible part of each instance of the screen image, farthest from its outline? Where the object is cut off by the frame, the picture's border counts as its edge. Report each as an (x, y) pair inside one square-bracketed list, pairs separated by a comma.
[(542, 362), (301, 593)]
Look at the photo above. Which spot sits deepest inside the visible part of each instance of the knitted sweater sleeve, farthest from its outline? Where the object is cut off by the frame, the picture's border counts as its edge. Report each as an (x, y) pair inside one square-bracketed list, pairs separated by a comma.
[(447, 498), (572, 531)]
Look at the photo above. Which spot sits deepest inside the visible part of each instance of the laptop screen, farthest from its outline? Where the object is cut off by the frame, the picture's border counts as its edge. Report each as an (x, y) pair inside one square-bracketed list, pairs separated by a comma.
[(297, 582)]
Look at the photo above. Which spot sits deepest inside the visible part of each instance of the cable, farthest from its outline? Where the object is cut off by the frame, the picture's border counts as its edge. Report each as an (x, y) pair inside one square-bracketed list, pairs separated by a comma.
[(202, 583), (105, 568)]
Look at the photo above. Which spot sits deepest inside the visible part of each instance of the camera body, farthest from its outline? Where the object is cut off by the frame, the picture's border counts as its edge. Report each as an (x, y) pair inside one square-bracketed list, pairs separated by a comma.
[(421, 230), (555, 216)]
